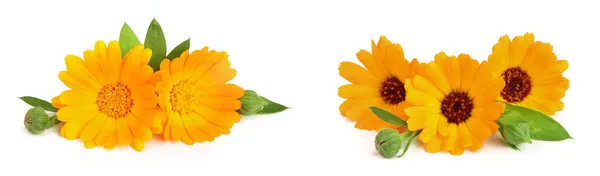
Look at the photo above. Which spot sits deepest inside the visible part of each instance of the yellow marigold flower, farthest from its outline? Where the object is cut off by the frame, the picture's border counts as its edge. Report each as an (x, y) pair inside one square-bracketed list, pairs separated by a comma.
[(455, 104), (194, 93), (110, 102), (532, 73), (381, 84)]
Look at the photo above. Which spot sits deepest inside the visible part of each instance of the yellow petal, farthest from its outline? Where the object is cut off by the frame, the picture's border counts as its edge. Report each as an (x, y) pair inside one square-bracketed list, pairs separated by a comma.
[(206, 126), (89, 144), (355, 91), (177, 69), (208, 61), (468, 67), (218, 74), (372, 64), (464, 139), (450, 142), (137, 145), (222, 119), (138, 128), (123, 132), (222, 103), (93, 65), (77, 97), (222, 90), (438, 78), (106, 132), (356, 74), (518, 47), (77, 113), (141, 75), (92, 128), (114, 57), (167, 131), (430, 129), (193, 130), (499, 58), (79, 72), (443, 126), (434, 145), (71, 130), (177, 128)]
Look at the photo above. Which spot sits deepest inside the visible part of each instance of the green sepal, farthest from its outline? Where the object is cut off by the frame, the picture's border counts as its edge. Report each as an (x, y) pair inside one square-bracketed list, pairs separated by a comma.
[(272, 107), (36, 120), (542, 127), (176, 52), (36, 102), (127, 39), (388, 142), (388, 117), (155, 40), (515, 132), (254, 104)]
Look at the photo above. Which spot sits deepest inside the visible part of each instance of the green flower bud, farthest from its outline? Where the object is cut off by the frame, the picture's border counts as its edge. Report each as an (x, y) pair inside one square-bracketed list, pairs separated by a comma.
[(252, 103), (36, 120), (388, 142), (515, 133)]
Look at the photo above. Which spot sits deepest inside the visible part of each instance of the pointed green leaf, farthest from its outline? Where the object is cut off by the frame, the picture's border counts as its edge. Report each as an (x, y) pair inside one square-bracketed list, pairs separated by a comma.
[(176, 52), (155, 40), (515, 132), (36, 102), (542, 127), (388, 117), (272, 107), (127, 39)]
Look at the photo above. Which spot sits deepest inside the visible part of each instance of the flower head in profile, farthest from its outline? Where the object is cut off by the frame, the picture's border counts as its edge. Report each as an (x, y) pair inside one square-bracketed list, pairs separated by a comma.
[(379, 83), (455, 104), (198, 102), (532, 73), (111, 100)]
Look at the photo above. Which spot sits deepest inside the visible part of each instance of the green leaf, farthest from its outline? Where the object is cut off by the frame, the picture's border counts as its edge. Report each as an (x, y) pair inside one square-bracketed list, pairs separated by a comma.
[(272, 107), (515, 132), (388, 117), (155, 40), (36, 102), (542, 127), (176, 52), (127, 39)]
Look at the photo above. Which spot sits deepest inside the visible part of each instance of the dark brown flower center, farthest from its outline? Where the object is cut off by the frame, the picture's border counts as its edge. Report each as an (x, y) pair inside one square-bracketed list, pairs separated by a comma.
[(457, 107), (392, 91), (517, 85)]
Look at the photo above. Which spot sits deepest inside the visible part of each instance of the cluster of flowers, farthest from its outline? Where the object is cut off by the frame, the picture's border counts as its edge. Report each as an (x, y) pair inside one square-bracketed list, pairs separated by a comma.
[(124, 92), (454, 103)]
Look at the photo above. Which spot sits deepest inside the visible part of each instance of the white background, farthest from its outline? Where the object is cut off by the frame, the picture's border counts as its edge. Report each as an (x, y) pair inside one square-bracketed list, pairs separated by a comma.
[(289, 51)]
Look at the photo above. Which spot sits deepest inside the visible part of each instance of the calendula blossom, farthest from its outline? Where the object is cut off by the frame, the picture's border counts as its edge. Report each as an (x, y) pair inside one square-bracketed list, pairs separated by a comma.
[(198, 102), (111, 100), (532, 73), (381, 84), (455, 104)]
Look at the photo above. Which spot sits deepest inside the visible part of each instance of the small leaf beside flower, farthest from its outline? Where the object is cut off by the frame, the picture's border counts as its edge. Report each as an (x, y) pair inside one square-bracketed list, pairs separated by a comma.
[(36, 102), (155, 40), (127, 39)]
